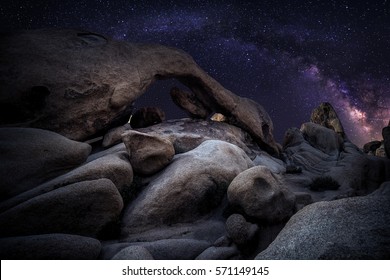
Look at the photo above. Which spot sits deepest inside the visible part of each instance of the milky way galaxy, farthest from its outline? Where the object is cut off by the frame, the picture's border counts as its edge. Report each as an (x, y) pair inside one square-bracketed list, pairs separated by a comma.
[(287, 56)]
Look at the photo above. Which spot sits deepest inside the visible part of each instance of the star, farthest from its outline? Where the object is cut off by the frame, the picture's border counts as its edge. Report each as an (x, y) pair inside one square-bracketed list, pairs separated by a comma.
[(289, 57)]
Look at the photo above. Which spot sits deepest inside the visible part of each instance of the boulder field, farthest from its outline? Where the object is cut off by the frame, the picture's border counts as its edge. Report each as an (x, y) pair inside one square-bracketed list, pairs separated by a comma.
[(79, 179)]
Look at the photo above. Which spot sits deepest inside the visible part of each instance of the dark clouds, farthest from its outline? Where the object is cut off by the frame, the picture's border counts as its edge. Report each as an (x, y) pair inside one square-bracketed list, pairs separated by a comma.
[(287, 55)]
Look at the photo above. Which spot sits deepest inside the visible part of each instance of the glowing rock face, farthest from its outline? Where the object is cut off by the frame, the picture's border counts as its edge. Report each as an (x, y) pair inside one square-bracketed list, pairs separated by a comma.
[(79, 84)]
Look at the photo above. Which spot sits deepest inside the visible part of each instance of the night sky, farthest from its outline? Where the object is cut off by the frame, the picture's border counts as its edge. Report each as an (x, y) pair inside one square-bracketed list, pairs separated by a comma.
[(287, 55)]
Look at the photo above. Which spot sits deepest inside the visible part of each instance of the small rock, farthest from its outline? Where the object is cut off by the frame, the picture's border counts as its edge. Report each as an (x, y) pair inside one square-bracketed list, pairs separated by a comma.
[(148, 153), (239, 230), (260, 194), (49, 247), (381, 151)]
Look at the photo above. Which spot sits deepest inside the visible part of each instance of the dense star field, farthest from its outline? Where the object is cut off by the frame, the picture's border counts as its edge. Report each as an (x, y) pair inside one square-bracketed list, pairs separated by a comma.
[(287, 55)]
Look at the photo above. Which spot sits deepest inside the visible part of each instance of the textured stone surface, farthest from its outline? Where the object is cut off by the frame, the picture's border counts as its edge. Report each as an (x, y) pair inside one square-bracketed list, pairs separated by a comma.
[(190, 187), (133, 253), (350, 228), (239, 230), (83, 208), (322, 138), (186, 134), (28, 157), (148, 153), (189, 103), (386, 139), (326, 116), (78, 83), (261, 195), (218, 253), (49, 247), (115, 167), (176, 249)]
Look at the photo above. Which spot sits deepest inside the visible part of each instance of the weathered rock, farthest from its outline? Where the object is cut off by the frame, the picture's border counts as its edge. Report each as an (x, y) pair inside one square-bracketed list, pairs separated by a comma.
[(239, 230), (356, 173), (148, 153), (187, 134), (205, 230), (189, 103), (326, 116), (218, 253), (114, 136), (261, 195), (165, 249), (78, 83), (381, 151), (386, 139), (49, 247), (302, 199), (322, 138), (83, 208), (29, 157), (176, 249), (350, 228), (115, 167), (147, 116), (274, 165), (218, 117), (189, 188), (371, 147), (119, 148), (133, 253)]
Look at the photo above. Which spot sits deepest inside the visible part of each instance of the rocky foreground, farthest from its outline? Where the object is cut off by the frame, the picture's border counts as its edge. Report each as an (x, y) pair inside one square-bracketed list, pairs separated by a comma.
[(79, 182)]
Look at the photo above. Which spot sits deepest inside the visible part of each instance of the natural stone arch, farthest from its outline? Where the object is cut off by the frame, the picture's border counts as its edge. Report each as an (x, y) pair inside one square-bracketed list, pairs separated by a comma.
[(94, 82)]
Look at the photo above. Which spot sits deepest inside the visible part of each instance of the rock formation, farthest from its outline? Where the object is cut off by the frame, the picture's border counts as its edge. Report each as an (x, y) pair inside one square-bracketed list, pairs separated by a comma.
[(386, 139), (326, 116), (191, 188), (350, 228), (79, 83)]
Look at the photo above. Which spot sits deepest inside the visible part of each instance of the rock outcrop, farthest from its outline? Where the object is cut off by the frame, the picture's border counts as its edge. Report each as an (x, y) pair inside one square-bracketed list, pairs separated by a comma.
[(326, 116), (194, 188), (83, 208), (350, 228), (30, 157), (148, 153), (192, 185), (79, 83), (187, 134), (386, 139), (261, 195)]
